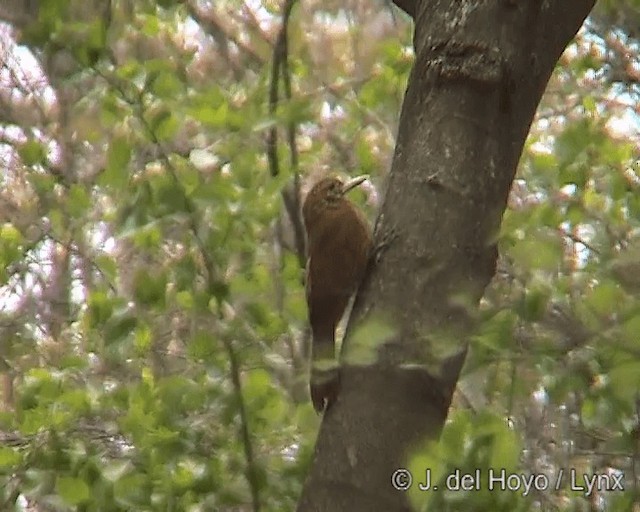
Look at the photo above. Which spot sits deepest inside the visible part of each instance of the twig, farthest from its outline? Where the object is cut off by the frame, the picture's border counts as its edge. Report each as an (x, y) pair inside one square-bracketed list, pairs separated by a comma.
[(291, 199)]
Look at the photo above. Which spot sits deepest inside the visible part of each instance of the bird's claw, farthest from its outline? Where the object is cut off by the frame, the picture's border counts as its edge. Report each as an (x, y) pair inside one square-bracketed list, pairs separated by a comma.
[(324, 387)]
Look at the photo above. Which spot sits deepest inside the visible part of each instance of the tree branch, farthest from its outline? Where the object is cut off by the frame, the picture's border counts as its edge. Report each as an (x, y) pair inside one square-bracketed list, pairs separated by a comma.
[(290, 197)]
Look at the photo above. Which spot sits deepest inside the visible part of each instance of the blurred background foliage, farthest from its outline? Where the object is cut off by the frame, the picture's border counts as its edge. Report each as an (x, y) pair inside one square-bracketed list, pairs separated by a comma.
[(153, 337)]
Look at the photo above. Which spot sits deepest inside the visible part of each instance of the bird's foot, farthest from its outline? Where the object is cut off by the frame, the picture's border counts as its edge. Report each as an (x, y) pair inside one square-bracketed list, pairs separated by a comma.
[(324, 387), (385, 240)]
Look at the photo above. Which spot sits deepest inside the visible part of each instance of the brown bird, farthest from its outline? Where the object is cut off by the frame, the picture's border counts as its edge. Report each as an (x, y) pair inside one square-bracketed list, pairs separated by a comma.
[(338, 247)]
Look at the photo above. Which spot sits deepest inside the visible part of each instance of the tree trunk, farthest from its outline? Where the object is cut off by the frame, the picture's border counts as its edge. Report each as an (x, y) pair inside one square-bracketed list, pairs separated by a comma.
[(479, 73)]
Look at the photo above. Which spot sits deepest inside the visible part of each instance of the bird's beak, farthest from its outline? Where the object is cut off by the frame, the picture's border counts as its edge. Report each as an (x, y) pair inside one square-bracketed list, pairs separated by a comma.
[(354, 182)]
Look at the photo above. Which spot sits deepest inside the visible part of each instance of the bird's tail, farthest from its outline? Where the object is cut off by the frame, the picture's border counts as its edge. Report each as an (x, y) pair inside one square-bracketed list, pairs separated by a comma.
[(324, 382)]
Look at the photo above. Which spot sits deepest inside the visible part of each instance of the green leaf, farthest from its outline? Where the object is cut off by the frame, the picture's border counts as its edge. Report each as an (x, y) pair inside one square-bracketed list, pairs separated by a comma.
[(112, 107), (58, 221), (589, 103), (150, 25), (203, 346), (72, 490), (146, 237), (505, 448), (78, 201), (185, 300), (455, 437), (189, 177), (99, 309), (169, 196), (116, 173), (534, 304), (166, 85), (89, 39), (163, 124), (77, 400), (50, 17), (130, 490), (107, 266), (362, 347), (497, 332), (115, 470), (214, 117), (542, 251), (10, 236), (625, 381), (42, 183), (185, 473), (605, 298), (631, 328), (32, 152), (150, 288), (10, 247), (543, 162), (573, 141), (367, 162), (257, 382), (143, 338), (575, 214), (119, 326), (546, 214), (9, 457)]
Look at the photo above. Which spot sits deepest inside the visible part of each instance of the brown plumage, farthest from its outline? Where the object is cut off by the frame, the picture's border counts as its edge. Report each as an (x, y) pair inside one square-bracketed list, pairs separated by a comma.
[(338, 246)]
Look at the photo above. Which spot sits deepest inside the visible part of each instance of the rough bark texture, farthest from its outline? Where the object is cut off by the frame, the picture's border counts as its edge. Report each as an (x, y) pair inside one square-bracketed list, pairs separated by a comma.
[(480, 70)]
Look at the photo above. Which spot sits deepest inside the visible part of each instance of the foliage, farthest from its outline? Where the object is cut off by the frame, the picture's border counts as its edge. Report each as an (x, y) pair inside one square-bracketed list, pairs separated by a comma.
[(153, 319), (153, 306)]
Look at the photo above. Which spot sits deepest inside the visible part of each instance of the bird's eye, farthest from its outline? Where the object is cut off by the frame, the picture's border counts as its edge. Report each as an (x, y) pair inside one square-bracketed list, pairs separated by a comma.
[(332, 191)]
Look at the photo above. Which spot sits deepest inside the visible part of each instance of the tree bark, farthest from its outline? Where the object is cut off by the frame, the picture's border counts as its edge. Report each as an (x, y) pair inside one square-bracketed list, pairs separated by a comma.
[(479, 73)]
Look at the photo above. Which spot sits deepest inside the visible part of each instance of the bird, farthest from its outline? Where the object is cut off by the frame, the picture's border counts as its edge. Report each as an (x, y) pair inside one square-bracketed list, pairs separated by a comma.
[(339, 243)]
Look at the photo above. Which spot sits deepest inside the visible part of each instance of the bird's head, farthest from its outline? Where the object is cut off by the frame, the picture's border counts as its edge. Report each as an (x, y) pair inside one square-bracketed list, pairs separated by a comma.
[(328, 193)]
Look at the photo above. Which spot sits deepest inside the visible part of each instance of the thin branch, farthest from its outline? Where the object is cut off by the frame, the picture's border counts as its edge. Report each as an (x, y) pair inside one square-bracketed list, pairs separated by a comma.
[(296, 218), (272, 136), (216, 29), (286, 81), (578, 240), (290, 197), (249, 20), (251, 470)]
